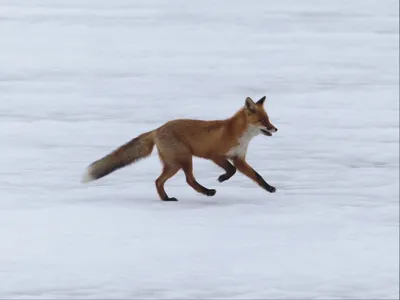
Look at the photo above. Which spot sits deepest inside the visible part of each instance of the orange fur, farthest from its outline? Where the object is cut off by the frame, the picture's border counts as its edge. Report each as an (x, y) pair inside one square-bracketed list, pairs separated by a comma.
[(178, 141)]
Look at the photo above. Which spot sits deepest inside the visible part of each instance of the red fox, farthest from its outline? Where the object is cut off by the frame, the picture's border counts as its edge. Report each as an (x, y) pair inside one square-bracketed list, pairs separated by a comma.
[(177, 141)]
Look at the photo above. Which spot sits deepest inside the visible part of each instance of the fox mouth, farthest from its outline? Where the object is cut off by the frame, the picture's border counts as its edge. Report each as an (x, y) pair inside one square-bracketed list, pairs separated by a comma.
[(266, 132)]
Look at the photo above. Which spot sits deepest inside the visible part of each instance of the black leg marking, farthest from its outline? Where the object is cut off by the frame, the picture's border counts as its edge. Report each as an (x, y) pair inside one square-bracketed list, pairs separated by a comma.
[(229, 169), (264, 184), (170, 199), (225, 177), (210, 192)]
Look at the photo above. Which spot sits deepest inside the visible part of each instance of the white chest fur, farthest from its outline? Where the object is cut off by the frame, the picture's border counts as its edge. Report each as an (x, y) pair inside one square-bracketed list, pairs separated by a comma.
[(241, 148)]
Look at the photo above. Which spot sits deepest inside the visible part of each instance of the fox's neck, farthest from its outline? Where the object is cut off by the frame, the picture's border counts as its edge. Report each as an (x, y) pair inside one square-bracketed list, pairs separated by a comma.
[(238, 122)]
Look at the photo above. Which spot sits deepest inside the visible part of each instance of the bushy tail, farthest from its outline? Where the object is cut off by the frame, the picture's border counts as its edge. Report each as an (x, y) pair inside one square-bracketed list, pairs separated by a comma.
[(136, 149)]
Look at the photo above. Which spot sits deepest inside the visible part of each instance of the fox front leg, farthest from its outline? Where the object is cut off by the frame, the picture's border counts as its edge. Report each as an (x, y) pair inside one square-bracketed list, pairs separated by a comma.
[(230, 170), (247, 170)]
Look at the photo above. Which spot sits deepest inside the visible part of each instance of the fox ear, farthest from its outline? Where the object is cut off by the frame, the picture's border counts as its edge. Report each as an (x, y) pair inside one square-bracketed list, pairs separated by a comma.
[(261, 101), (250, 105)]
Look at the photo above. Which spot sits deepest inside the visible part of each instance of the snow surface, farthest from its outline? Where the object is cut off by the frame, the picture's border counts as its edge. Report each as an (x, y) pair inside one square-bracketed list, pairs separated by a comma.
[(79, 78)]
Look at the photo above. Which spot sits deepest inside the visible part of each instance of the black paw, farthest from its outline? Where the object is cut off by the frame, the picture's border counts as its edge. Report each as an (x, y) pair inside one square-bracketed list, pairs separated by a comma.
[(271, 189), (170, 199), (211, 192), (223, 177)]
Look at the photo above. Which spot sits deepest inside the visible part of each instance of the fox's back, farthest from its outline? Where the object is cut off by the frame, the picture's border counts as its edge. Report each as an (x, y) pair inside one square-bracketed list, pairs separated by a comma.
[(203, 138)]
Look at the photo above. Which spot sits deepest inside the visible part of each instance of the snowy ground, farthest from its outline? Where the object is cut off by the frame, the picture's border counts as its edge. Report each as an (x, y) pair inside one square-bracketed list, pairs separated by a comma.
[(79, 78)]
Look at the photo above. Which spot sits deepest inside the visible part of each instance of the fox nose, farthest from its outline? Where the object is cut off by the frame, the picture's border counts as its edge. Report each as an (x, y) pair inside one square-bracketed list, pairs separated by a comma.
[(276, 129)]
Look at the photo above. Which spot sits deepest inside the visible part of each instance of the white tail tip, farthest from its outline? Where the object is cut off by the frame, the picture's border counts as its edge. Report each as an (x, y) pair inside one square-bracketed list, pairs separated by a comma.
[(87, 176)]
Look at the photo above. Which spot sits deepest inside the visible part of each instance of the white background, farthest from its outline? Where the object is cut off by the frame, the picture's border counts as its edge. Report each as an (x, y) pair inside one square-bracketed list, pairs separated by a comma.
[(79, 78)]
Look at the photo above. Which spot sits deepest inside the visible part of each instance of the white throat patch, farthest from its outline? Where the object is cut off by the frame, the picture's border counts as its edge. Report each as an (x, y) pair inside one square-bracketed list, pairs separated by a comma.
[(241, 148)]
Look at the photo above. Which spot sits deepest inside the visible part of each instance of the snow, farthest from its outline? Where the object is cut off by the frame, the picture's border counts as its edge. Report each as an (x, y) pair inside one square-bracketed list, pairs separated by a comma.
[(79, 78)]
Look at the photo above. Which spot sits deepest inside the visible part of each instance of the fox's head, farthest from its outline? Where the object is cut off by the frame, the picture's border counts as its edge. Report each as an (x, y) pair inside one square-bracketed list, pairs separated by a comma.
[(258, 117)]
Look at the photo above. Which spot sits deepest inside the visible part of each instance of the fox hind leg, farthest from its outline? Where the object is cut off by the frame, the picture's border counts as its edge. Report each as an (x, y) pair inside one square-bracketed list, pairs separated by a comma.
[(169, 170), (167, 154), (175, 155), (187, 167)]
